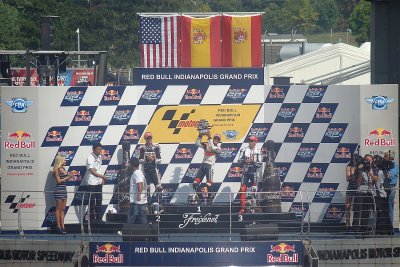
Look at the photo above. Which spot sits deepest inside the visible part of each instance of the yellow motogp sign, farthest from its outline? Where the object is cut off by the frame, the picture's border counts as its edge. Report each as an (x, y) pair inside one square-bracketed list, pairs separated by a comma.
[(178, 124)]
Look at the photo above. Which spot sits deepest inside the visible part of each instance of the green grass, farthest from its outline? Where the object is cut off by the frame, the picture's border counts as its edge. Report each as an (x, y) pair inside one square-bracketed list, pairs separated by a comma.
[(336, 37)]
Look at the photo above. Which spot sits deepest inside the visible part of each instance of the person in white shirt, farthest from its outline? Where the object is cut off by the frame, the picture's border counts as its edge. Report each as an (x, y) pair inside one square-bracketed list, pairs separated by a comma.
[(251, 159), (137, 194), (95, 181)]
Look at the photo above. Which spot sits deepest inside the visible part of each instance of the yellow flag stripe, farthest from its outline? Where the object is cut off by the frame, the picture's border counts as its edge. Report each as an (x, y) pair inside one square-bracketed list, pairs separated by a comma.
[(241, 41), (200, 42)]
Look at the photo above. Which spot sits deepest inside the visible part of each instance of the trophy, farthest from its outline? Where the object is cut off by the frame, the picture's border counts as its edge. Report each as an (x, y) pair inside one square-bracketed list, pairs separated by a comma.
[(203, 127)]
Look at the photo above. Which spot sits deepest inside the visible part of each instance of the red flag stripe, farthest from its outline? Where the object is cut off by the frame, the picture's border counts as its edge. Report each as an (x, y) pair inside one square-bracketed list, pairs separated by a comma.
[(215, 41), (227, 41), (186, 42), (256, 41)]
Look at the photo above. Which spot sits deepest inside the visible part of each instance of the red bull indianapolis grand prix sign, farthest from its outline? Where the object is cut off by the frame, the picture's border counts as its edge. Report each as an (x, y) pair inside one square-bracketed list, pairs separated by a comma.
[(287, 253)]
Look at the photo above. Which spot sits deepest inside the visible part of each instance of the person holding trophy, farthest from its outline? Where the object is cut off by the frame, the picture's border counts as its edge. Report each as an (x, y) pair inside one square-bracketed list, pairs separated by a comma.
[(211, 148)]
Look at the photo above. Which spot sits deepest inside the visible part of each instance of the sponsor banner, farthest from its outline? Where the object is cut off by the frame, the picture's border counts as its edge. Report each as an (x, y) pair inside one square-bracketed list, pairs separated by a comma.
[(37, 253), (179, 123), (18, 77), (71, 77), (204, 76), (359, 252), (276, 253)]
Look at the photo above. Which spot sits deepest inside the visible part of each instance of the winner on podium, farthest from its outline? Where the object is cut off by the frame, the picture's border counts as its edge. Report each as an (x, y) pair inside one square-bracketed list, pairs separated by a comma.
[(211, 148)]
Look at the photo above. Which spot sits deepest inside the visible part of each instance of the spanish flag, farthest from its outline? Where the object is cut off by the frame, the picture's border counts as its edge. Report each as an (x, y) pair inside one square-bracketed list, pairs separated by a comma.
[(200, 43), (241, 41)]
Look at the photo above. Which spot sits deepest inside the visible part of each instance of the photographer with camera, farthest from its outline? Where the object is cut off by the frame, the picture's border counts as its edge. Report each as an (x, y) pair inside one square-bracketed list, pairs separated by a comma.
[(391, 176), (351, 176), (366, 179), (211, 148)]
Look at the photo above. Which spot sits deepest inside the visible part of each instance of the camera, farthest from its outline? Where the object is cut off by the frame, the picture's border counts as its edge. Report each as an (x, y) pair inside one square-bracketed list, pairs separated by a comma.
[(366, 165), (383, 164), (386, 165), (203, 127)]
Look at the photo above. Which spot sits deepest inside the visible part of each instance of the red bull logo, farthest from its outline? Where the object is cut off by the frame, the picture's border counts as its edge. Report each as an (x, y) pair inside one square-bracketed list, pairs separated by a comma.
[(105, 154), (276, 92), (54, 136), (282, 249), (111, 95), (380, 137), (296, 132), (343, 153), (108, 248), (323, 113), (334, 213), (193, 94), (131, 134), (109, 251), (288, 192), (315, 172), (20, 136), (83, 115), (183, 153), (235, 172), (76, 175)]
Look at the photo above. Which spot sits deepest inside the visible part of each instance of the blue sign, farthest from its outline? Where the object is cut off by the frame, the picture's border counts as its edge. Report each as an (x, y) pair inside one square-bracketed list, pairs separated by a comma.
[(275, 253), (19, 105), (379, 102), (199, 76)]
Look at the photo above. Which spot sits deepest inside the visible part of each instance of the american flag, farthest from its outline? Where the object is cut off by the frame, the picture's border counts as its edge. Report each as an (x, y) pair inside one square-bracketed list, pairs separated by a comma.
[(159, 41)]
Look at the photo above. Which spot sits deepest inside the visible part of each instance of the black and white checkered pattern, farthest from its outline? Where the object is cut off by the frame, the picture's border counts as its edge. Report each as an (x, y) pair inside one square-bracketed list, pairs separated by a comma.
[(313, 133)]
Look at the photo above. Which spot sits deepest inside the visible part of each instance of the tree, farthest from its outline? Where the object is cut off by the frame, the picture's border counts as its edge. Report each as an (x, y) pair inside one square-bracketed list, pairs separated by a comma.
[(272, 19), (10, 28), (328, 14), (345, 9), (299, 14), (359, 21)]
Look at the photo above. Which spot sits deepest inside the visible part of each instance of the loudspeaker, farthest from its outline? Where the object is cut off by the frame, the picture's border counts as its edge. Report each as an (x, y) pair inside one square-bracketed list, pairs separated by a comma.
[(268, 231), (140, 232)]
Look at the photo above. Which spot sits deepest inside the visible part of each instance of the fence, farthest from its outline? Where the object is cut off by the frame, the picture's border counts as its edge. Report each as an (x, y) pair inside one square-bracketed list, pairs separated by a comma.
[(265, 216)]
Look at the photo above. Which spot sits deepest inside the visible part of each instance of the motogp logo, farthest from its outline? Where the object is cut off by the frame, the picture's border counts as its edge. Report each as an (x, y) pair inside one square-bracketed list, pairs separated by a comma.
[(315, 92), (287, 113), (334, 133), (306, 152), (151, 94), (228, 153), (73, 96), (121, 115), (236, 93)]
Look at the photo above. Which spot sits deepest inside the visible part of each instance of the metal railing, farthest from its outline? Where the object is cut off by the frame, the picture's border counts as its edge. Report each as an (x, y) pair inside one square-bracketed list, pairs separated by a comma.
[(288, 215)]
